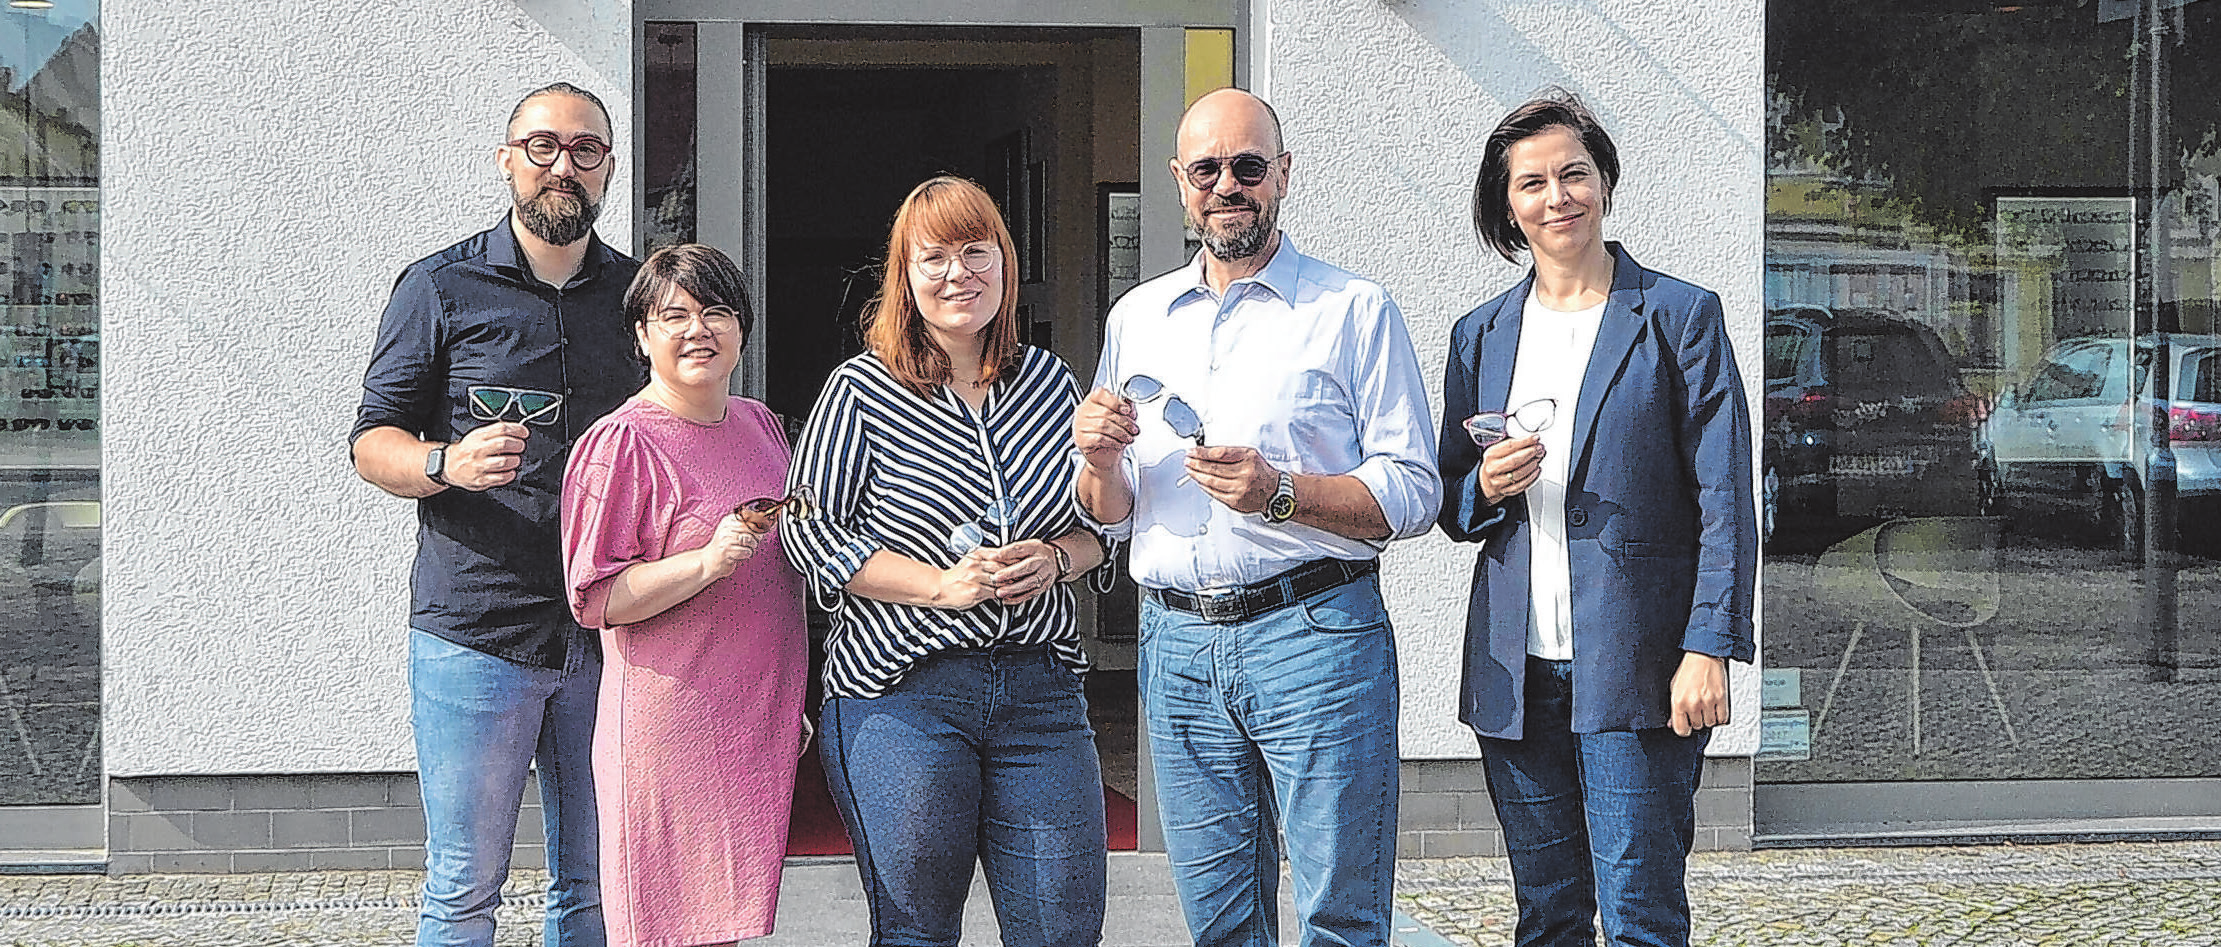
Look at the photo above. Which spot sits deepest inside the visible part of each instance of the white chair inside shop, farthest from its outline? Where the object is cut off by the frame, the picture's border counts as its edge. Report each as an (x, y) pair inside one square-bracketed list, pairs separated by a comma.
[(30, 532), (1931, 572)]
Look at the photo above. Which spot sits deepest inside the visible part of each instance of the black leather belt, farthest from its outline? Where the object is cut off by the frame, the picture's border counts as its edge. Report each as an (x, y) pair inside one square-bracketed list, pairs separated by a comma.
[(1244, 602)]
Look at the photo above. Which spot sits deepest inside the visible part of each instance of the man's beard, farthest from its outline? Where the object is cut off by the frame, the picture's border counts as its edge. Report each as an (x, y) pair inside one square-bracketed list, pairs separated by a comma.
[(560, 213), (1241, 242)]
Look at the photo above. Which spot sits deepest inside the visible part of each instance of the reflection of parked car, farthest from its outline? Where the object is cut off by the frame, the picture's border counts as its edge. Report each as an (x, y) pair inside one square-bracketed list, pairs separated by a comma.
[(1865, 417), (2065, 437)]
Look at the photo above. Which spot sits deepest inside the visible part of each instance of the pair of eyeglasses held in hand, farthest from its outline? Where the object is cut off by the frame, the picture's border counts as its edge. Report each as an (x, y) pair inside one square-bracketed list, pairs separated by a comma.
[(1142, 389), (523, 405), (1534, 417), (762, 513), (997, 518)]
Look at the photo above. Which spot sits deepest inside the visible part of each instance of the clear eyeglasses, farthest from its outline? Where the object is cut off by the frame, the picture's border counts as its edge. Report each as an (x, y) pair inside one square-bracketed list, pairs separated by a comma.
[(1534, 417), (939, 264), (676, 323), (996, 519)]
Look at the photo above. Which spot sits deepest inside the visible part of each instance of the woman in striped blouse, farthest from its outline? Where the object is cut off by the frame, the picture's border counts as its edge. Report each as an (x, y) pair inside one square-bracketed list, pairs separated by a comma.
[(954, 726)]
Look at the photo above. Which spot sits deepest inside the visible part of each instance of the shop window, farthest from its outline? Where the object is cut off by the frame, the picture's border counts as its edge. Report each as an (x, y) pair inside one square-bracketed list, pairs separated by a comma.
[(50, 404), (1992, 424)]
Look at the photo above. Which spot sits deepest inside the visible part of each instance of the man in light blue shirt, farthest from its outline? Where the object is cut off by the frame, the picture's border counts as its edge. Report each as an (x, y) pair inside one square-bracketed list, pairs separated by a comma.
[(1259, 431)]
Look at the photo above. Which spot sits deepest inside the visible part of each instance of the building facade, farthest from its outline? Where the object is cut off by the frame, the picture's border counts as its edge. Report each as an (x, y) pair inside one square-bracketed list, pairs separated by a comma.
[(1984, 604)]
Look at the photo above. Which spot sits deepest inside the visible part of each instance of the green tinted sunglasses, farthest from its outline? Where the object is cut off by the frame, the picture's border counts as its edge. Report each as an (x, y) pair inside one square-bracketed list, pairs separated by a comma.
[(495, 403)]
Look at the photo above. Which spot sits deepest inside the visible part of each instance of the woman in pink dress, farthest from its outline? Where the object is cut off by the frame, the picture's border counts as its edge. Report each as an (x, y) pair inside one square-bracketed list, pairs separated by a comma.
[(704, 645)]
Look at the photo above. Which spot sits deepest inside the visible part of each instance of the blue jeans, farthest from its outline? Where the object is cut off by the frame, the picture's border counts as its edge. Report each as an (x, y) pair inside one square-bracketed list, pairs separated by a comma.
[(1596, 824), (1291, 712), (481, 721), (976, 755)]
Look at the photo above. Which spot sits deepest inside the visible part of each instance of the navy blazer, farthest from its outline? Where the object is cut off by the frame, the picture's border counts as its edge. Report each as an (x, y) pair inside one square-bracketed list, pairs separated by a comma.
[(1661, 530)]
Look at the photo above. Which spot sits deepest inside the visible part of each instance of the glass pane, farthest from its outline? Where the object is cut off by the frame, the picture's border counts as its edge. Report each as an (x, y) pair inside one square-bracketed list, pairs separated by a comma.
[(50, 405), (668, 135), (1991, 436)]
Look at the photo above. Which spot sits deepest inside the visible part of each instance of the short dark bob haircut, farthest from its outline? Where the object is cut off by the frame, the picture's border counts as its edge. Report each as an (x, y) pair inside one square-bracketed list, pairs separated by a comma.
[(704, 272), (1554, 107)]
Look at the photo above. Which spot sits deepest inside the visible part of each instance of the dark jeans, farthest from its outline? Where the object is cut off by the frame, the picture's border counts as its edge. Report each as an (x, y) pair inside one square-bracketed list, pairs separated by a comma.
[(1598, 825), (980, 756)]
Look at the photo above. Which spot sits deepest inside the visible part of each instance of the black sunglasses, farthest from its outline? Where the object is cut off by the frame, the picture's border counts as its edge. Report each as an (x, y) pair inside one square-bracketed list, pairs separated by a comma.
[(1249, 170)]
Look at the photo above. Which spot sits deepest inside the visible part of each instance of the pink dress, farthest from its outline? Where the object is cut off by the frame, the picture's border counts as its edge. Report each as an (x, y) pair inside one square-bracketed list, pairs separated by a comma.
[(701, 706)]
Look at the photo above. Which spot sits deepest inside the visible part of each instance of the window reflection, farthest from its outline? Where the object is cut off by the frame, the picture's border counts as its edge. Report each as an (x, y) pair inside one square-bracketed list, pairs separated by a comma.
[(1992, 424), (668, 135), (49, 405)]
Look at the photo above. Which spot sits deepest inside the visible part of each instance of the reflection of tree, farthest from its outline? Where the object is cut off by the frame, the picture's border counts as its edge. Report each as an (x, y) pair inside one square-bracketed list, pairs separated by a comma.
[(1937, 101)]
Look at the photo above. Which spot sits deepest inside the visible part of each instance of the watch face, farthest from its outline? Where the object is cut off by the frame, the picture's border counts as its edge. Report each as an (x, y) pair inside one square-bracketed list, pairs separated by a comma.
[(1282, 506)]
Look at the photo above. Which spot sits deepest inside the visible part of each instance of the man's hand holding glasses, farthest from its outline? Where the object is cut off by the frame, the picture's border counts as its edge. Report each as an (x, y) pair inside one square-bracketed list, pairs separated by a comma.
[(490, 454), (487, 457), (1103, 427)]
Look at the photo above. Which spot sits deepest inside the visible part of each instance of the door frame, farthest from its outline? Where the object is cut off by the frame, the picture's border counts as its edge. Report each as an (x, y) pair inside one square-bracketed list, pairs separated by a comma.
[(730, 143)]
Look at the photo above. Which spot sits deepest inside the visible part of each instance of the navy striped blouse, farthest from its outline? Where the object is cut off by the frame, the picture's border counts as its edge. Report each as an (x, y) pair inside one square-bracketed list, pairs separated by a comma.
[(898, 472)]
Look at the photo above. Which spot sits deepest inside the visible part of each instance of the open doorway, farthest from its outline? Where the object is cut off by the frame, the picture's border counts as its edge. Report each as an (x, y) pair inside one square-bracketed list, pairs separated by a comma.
[(851, 118)]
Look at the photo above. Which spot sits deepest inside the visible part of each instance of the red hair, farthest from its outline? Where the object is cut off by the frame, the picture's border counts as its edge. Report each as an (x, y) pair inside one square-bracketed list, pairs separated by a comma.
[(949, 211)]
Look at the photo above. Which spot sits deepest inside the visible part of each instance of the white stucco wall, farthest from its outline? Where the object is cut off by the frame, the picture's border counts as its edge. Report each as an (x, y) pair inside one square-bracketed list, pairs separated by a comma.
[(1386, 103), (269, 169)]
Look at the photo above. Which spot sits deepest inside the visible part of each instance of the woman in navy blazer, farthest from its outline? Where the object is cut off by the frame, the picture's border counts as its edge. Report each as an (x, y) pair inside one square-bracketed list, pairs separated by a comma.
[(1619, 539)]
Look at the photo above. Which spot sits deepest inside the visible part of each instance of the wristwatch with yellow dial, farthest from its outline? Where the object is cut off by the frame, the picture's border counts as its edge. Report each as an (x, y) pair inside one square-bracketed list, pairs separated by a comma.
[(1282, 507)]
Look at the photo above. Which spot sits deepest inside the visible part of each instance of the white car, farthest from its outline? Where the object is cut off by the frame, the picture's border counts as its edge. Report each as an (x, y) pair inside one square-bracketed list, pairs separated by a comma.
[(2068, 436)]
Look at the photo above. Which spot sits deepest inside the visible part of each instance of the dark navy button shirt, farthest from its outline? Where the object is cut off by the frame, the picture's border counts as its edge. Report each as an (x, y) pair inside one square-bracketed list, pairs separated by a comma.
[(489, 571)]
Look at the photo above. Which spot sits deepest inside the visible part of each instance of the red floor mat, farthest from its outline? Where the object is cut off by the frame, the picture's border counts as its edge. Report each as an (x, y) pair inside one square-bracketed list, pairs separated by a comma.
[(816, 827)]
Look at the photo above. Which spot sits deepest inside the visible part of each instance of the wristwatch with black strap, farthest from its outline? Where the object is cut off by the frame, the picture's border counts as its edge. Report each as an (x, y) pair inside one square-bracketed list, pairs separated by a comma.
[(435, 463)]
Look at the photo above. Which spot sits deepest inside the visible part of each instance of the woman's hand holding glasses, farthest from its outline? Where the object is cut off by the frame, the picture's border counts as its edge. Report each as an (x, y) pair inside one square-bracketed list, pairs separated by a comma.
[(967, 583), (740, 532), (733, 543), (1511, 447), (1022, 570)]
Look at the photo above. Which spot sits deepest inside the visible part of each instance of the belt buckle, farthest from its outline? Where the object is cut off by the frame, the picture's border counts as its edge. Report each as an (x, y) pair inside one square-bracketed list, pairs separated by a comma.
[(1219, 605)]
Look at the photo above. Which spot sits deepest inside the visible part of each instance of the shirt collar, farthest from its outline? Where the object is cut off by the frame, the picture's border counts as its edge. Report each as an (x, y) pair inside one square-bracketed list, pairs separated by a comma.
[(1279, 275), (504, 251)]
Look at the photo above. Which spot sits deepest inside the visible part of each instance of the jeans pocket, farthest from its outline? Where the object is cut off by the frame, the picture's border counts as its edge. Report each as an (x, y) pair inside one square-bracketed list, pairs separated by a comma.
[(1348, 609)]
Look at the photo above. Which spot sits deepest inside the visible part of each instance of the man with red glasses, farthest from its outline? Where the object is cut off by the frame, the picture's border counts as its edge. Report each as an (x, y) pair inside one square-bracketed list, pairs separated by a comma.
[(1259, 431), (494, 354)]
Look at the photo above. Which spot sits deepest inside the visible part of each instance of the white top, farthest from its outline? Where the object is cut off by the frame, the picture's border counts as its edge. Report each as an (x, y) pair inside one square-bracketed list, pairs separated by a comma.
[(1553, 356), (1307, 363)]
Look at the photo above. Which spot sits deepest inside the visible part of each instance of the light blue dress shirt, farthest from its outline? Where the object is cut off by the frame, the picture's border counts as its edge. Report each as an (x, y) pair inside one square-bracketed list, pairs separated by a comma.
[(1307, 363)]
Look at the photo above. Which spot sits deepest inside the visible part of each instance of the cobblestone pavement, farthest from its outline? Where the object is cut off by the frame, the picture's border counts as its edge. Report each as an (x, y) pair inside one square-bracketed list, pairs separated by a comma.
[(2142, 894)]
